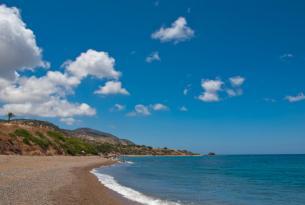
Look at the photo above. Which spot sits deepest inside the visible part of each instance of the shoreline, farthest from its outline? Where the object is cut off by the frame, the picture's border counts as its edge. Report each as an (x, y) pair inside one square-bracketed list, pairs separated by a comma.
[(50, 180), (132, 155)]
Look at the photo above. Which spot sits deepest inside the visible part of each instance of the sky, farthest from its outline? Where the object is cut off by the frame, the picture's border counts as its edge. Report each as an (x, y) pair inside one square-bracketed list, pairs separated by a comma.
[(221, 76)]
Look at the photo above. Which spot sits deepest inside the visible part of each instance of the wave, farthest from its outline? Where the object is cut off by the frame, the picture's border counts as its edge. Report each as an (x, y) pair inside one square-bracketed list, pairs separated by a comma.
[(129, 193), (129, 162)]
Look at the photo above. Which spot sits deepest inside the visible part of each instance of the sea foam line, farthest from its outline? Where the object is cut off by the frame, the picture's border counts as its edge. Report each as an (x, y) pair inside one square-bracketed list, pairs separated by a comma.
[(127, 192)]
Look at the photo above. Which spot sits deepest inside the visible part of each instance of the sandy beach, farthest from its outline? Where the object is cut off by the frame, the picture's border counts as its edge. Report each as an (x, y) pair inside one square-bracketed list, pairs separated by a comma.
[(53, 180)]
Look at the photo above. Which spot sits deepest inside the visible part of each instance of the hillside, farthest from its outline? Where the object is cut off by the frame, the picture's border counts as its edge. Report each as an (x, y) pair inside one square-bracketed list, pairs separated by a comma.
[(33, 137)]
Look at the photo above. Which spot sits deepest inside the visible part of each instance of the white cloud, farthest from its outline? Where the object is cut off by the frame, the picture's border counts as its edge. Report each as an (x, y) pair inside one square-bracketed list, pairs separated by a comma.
[(234, 92), (33, 89), (159, 107), (154, 56), (237, 81), (209, 97), (98, 64), (211, 85), (145, 110), (68, 121), (118, 107), (52, 107), (297, 98), (211, 89), (183, 109), (112, 88), (178, 32), (45, 96), (18, 48), (140, 110)]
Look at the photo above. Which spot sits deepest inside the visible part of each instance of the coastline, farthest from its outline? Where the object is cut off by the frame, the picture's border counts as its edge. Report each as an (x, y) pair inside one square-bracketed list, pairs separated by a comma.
[(133, 155), (48, 180)]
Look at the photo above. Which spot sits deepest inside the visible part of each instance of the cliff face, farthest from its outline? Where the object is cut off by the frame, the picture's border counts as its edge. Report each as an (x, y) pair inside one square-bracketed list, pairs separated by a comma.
[(33, 137)]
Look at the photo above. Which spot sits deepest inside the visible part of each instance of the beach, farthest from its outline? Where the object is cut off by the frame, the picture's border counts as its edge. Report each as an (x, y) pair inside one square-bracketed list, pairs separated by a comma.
[(53, 180)]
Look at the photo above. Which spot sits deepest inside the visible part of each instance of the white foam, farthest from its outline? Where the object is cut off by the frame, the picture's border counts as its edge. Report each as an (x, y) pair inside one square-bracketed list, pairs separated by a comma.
[(129, 193), (129, 162)]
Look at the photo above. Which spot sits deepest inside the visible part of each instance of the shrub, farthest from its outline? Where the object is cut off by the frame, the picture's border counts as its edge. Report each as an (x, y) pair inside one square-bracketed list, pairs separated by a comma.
[(22, 133), (56, 135), (76, 146)]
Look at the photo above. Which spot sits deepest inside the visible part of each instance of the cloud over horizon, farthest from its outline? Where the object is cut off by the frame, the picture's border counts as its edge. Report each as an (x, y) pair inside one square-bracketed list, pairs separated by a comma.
[(46, 96)]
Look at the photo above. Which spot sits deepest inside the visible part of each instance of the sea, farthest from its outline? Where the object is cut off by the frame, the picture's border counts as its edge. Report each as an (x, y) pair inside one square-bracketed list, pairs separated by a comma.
[(209, 180)]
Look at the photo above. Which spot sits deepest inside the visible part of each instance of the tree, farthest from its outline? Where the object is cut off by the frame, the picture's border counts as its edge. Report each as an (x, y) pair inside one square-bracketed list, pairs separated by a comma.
[(10, 115)]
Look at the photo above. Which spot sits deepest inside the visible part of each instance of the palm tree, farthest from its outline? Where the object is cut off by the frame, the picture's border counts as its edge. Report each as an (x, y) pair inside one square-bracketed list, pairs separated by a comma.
[(10, 115)]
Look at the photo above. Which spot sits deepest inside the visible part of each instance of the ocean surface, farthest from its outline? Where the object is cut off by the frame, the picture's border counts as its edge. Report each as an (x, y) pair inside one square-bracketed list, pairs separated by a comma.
[(217, 180)]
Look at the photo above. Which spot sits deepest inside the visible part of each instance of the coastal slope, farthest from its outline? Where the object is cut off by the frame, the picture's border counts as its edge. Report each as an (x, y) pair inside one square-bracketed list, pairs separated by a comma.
[(34, 137)]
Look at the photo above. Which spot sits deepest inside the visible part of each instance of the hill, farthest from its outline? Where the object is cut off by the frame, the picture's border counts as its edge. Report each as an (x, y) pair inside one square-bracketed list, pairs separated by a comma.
[(34, 137)]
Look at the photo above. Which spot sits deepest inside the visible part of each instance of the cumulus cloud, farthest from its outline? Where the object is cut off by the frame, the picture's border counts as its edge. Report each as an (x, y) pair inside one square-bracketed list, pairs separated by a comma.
[(45, 96), (140, 110), (53, 107), (211, 89), (118, 107), (178, 32), (94, 63), (145, 110), (237, 81), (112, 88), (18, 47), (296, 98), (33, 89), (159, 107), (154, 56)]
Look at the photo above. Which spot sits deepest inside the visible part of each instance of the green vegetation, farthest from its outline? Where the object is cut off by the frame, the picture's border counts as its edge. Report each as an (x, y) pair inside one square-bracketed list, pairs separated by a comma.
[(77, 146), (56, 135), (28, 138)]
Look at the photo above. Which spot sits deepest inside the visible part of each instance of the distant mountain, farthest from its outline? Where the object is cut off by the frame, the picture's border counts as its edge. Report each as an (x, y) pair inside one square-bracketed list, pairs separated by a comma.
[(98, 136)]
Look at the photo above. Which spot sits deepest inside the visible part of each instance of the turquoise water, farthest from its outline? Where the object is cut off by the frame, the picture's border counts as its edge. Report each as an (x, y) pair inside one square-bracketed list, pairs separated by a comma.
[(217, 180)]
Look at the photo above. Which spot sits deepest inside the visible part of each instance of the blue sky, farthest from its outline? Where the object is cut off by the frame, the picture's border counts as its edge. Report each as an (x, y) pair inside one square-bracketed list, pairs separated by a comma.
[(259, 45)]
